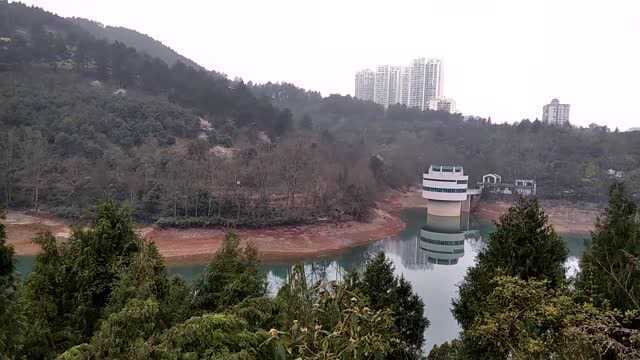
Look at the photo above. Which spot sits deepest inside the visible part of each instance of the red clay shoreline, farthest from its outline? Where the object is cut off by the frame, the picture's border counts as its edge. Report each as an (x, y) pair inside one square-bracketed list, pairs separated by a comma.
[(292, 243)]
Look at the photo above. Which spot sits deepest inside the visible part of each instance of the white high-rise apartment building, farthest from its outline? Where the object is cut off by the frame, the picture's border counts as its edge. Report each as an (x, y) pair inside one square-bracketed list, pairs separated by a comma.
[(556, 113), (381, 87), (433, 80), (403, 86), (425, 82), (365, 82), (388, 84)]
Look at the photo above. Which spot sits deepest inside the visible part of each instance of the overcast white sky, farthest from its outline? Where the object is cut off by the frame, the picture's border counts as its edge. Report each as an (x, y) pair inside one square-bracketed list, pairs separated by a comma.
[(502, 58)]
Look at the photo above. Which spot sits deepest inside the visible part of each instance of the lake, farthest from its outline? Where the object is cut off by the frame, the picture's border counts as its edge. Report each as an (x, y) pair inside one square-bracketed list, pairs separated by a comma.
[(433, 253)]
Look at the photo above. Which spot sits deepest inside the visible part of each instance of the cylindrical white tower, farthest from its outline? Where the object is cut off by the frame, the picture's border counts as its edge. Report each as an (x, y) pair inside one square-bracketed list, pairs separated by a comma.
[(445, 188)]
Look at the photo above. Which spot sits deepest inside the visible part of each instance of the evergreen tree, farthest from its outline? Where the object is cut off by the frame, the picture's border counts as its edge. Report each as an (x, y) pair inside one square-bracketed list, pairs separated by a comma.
[(8, 320), (610, 270), (331, 321), (384, 290), (523, 245), (527, 320), (449, 350), (71, 283), (147, 278), (231, 277)]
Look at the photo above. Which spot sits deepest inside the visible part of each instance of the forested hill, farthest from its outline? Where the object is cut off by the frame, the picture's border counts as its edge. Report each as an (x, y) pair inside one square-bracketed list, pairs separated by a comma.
[(134, 39), (83, 118), (569, 163), (34, 38)]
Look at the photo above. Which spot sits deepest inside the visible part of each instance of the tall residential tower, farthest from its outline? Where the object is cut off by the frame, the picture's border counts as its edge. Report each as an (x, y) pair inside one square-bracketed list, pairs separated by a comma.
[(365, 81), (425, 82), (556, 113)]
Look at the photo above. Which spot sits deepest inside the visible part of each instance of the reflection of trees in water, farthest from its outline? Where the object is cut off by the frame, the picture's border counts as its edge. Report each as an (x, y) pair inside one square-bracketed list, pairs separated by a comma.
[(326, 269), (476, 242)]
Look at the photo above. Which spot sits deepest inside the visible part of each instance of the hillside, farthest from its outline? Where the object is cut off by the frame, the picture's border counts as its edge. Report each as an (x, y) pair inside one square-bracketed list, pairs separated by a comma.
[(82, 119), (188, 147), (568, 163), (136, 40)]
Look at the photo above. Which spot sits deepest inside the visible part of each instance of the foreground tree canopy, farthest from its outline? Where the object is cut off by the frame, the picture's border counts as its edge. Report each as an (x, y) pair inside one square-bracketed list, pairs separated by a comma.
[(516, 304), (611, 266), (523, 245), (106, 294)]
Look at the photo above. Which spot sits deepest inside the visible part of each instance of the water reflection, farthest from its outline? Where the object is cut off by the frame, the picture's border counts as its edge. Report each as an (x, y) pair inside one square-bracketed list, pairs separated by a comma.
[(441, 240)]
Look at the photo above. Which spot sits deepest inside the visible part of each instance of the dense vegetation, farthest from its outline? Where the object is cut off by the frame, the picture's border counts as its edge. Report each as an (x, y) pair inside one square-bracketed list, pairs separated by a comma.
[(515, 303), (106, 294), (567, 162), (82, 119)]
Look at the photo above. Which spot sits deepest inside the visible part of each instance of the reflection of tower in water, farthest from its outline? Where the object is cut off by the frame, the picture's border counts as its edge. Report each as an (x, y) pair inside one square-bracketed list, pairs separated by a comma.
[(441, 240)]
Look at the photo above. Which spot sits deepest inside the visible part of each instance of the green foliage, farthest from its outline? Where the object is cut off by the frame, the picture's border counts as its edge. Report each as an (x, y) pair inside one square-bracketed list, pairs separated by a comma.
[(210, 336), (231, 277), (450, 350), (147, 278), (122, 335), (610, 272), (330, 321), (71, 283), (527, 320), (523, 245), (8, 306), (386, 291)]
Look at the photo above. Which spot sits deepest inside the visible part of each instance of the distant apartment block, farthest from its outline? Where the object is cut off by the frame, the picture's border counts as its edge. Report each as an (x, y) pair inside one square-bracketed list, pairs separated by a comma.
[(403, 86), (365, 82), (556, 113), (415, 85), (425, 82)]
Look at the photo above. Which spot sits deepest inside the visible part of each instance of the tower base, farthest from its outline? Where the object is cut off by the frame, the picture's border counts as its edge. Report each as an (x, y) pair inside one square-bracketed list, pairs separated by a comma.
[(444, 208)]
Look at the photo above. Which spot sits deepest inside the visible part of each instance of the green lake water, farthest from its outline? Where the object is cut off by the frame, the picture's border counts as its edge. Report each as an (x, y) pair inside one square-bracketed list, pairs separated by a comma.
[(421, 253)]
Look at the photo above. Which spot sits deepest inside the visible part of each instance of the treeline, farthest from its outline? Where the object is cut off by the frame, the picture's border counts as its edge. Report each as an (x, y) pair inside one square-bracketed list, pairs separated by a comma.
[(516, 302), (141, 42), (105, 294)]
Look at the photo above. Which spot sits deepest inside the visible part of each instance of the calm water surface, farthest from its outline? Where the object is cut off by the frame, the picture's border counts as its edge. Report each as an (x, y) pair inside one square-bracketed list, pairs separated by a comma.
[(431, 252)]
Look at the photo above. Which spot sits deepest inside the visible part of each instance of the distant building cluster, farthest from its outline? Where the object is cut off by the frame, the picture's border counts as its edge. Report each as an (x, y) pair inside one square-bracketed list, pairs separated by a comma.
[(492, 183), (418, 85), (556, 113)]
